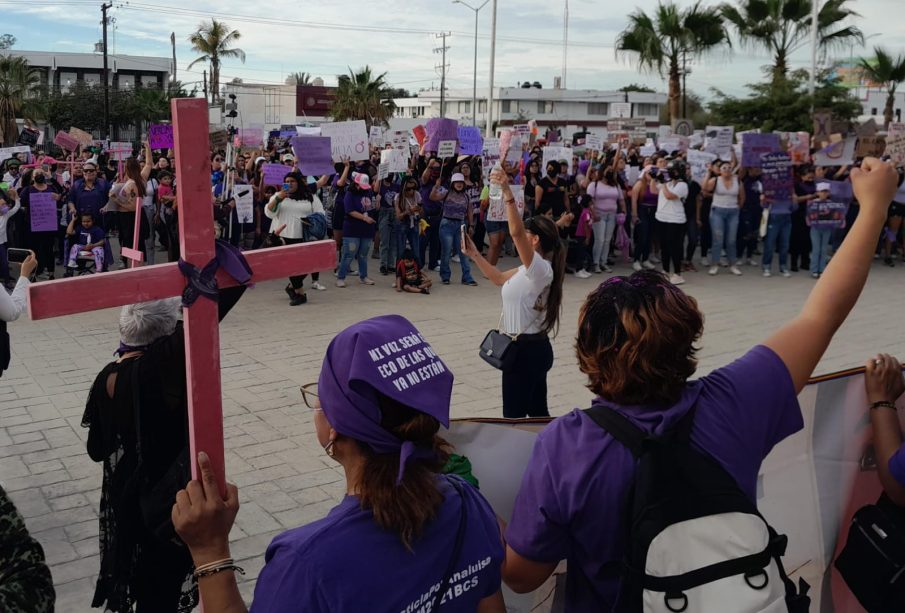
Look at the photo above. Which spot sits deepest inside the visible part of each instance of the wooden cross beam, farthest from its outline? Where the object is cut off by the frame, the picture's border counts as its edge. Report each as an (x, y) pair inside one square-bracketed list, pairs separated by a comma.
[(196, 237)]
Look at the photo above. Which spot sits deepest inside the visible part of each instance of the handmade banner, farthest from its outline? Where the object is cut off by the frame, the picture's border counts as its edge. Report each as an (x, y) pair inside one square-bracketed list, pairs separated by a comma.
[(245, 203), (440, 129), (43, 212), (674, 143), (383, 171), (470, 140), (400, 140), (718, 140), (699, 162), (420, 134), (8, 152), (348, 139), (120, 151), (395, 160), (446, 149), (870, 146), (274, 173), (823, 127), (895, 129), (895, 149), (620, 109), (840, 153), (313, 155), (776, 177), (800, 147), (754, 145), (308, 130), (868, 128), (218, 139), (251, 137), (66, 141), (28, 137), (80, 135), (522, 129), (559, 154), (160, 136), (826, 214), (593, 142), (375, 137)]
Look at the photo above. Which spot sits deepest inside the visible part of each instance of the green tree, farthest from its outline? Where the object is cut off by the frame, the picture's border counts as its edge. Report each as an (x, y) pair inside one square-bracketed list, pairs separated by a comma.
[(7, 41), (299, 78), (634, 87), (361, 95), (214, 41), (695, 111), (782, 27), (888, 70), (661, 41), (19, 84)]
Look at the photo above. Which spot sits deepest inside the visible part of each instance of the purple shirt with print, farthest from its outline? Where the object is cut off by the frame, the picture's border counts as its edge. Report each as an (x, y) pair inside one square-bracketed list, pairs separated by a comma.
[(571, 504), (362, 202), (345, 563), (897, 465)]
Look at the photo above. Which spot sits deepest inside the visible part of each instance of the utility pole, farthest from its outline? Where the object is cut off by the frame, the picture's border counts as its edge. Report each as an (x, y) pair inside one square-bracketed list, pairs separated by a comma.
[(106, 134), (565, 42), (474, 85), (489, 133), (173, 45), (684, 94), (442, 50), (205, 85)]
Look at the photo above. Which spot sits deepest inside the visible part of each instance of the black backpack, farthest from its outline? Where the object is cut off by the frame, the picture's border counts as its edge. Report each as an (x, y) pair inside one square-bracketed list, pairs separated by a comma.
[(696, 542)]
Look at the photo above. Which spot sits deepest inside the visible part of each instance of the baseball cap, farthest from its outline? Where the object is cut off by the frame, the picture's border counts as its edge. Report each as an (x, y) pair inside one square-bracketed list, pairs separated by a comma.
[(457, 178), (823, 187), (361, 180)]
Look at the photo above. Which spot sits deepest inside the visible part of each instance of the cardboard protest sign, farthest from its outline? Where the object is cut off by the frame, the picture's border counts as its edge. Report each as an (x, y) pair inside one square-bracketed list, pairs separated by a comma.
[(420, 134), (697, 138), (895, 149), (718, 140), (674, 143), (8, 152), (620, 109), (308, 130), (826, 215), (823, 126), (438, 129), (43, 212), (840, 153), (868, 128), (739, 136), (593, 142), (870, 146), (663, 132), (251, 137), (395, 159), (245, 201), (399, 139), (160, 136), (776, 176), (218, 139), (120, 151), (699, 162), (375, 136), (470, 140), (683, 127), (446, 149), (895, 129), (66, 141), (80, 135), (348, 139), (274, 173), (313, 154), (559, 154), (754, 145), (800, 147), (521, 129), (28, 137), (383, 171)]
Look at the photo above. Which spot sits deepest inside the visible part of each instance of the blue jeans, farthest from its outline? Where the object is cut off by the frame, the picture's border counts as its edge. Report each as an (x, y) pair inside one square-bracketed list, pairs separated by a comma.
[(724, 226), (820, 248), (412, 237), (450, 241), (644, 232), (386, 226), (354, 248), (779, 230), (603, 234)]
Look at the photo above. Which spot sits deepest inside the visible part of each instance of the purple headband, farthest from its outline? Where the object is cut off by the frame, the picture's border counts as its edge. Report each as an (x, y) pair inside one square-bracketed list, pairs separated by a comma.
[(385, 355)]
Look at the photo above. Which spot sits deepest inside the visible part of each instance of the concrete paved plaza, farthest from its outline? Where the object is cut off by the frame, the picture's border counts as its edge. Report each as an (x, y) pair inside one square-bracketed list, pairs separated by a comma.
[(269, 349)]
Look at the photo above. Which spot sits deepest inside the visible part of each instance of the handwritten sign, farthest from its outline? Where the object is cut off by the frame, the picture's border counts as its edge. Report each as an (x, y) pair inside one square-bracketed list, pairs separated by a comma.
[(160, 136), (274, 173), (8, 152), (439, 129), (718, 140), (83, 137), (776, 176), (823, 126), (593, 142), (699, 162), (245, 203), (895, 129), (348, 139), (383, 171), (120, 151), (826, 215), (375, 136), (218, 139), (399, 139), (674, 143), (470, 140), (870, 146), (314, 155), (66, 141), (840, 153), (895, 149), (395, 160), (251, 137), (43, 212), (754, 145), (522, 129), (800, 147), (558, 154), (446, 148)]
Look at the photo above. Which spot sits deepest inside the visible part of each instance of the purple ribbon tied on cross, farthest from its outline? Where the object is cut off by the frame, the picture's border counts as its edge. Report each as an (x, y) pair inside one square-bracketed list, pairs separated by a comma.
[(204, 282)]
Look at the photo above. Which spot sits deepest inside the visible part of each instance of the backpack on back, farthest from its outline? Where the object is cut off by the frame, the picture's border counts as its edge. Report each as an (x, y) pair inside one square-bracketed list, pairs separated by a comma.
[(696, 542)]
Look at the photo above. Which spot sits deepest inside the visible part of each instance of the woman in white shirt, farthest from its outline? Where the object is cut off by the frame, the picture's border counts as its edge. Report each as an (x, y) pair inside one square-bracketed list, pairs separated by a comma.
[(671, 215), (288, 208), (727, 201), (532, 300), (11, 306)]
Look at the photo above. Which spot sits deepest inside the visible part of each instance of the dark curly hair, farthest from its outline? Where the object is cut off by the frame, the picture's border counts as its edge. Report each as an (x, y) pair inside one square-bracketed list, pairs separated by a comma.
[(636, 339)]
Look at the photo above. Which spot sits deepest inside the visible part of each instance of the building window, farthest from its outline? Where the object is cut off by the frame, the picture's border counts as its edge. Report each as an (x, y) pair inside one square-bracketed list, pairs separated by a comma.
[(506, 104), (271, 105), (482, 106), (544, 108), (873, 111), (148, 81), (92, 79), (126, 81), (464, 107), (643, 109), (67, 80), (598, 108)]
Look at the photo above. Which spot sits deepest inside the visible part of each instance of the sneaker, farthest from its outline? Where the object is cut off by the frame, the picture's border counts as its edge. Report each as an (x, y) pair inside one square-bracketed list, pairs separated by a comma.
[(583, 274), (705, 262), (72, 264), (366, 281), (445, 281), (298, 299), (785, 273), (676, 279), (653, 258), (751, 262), (636, 265), (816, 275), (596, 270), (606, 268), (455, 259), (318, 286), (647, 264), (289, 291), (734, 270), (340, 283), (470, 283), (767, 273), (713, 270), (383, 271)]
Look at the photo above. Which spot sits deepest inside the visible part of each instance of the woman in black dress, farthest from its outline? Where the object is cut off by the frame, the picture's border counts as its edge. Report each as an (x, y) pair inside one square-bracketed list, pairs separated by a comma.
[(138, 568)]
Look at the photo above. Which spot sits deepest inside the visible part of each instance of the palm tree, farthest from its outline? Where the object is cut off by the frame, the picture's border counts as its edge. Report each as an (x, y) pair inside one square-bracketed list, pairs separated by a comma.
[(784, 26), (19, 83), (889, 71), (360, 95), (662, 41), (299, 78), (214, 41)]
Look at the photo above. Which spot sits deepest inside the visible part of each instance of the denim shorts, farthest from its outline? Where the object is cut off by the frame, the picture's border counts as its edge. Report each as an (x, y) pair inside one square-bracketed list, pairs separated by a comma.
[(493, 227)]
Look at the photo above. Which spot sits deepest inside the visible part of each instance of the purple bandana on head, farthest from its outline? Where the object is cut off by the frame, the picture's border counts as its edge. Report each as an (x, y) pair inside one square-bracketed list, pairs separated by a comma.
[(385, 355)]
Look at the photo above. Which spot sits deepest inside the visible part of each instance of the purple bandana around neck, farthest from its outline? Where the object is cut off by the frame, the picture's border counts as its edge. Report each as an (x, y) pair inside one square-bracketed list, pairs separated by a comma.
[(385, 355)]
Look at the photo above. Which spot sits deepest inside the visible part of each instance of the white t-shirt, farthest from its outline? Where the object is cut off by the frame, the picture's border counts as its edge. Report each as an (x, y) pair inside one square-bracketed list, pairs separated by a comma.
[(523, 293), (291, 212), (672, 211), (900, 194)]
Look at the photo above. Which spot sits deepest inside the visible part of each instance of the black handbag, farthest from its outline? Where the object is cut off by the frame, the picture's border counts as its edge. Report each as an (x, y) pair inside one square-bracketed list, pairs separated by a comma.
[(872, 563), (499, 350)]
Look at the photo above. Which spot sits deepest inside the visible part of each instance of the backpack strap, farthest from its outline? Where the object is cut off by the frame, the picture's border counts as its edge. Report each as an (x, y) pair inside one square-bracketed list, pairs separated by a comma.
[(620, 428)]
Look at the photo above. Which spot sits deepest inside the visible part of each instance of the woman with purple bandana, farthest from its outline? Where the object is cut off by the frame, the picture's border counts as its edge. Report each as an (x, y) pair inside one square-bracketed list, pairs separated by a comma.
[(405, 537), (636, 343)]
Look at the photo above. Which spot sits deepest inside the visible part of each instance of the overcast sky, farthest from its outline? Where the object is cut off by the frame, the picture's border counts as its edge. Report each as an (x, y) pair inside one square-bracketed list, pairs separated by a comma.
[(398, 37)]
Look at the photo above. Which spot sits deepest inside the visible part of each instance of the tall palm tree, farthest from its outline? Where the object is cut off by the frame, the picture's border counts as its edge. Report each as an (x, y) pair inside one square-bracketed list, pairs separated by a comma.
[(361, 95), (214, 41), (299, 78), (19, 84), (888, 70), (660, 42), (784, 26)]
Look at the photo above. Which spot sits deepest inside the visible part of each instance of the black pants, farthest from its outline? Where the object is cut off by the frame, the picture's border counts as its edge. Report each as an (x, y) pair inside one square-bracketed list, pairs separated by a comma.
[(297, 281), (748, 230), (525, 384), (430, 242), (706, 233), (672, 236), (800, 243), (693, 234), (480, 232), (42, 244)]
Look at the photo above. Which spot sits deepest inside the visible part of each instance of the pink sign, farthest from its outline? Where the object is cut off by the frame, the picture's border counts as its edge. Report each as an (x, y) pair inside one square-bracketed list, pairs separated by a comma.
[(67, 142), (160, 136), (43, 211)]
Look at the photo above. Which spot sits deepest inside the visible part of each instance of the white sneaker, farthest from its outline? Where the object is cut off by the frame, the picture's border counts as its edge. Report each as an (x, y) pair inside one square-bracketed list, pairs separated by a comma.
[(318, 286), (767, 273), (366, 281), (654, 259), (751, 262), (676, 279), (340, 283), (705, 262), (636, 265), (785, 273), (582, 274), (596, 269), (713, 270), (455, 259), (647, 264), (607, 268), (734, 270)]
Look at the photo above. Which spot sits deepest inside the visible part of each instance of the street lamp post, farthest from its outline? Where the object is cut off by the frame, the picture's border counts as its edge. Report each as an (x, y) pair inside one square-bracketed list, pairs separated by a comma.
[(489, 130), (474, 87)]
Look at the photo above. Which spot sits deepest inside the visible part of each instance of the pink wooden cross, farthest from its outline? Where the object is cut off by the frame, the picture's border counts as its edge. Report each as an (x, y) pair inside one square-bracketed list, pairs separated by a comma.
[(196, 238)]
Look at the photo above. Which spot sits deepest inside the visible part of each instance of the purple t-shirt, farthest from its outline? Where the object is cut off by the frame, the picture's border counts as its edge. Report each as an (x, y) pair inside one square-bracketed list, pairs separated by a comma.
[(88, 236), (345, 563), (571, 504), (897, 465), (363, 202)]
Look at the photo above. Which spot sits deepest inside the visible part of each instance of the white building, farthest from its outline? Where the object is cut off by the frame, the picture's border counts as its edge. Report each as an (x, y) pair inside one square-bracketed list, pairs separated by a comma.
[(62, 70), (873, 102)]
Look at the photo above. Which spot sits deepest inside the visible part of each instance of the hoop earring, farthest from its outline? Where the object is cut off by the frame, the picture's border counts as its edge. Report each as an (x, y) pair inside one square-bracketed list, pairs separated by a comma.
[(329, 448)]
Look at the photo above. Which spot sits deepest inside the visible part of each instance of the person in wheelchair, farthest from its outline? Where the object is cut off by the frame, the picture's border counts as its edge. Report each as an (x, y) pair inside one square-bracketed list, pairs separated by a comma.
[(84, 238)]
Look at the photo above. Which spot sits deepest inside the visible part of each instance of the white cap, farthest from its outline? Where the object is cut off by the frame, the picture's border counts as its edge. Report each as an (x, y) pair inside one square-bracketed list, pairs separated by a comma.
[(457, 178), (823, 187)]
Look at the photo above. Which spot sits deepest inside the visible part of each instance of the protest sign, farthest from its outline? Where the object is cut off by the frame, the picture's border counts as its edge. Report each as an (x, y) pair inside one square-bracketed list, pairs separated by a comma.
[(840, 153), (348, 139), (383, 171), (446, 149), (841, 191), (663, 132), (895, 129), (593, 142), (313, 155), (308, 130), (505, 142), (620, 109), (43, 211), (674, 143), (895, 149), (800, 147), (826, 215), (251, 137), (120, 151), (28, 137), (699, 162), (8, 152), (755, 145), (868, 128), (470, 140), (80, 135), (514, 155), (823, 126), (696, 139), (631, 174), (776, 176), (718, 140), (395, 160), (274, 173), (66, 141), (160, 136), (440, 129), (740, 136), (870, 146), (647, 150), (683, 127), (399, 139), (245, 201), (521, 129), (375, 136), (420, 134), (559, 154), (218, 139)]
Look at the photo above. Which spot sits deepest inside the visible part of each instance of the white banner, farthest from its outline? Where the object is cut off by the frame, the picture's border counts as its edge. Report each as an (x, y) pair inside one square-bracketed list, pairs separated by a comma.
[(348, 139), (395, 160), (245, 203), (559, 154)]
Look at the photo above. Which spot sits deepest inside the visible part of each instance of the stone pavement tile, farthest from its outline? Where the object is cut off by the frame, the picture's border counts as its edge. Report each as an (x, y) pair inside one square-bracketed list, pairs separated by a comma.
[(81, 568), (253, 519), (67, 519), (74, 596)]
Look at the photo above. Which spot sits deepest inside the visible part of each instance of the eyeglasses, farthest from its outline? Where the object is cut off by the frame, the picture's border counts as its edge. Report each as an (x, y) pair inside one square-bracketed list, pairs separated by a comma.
[(89, 170), (310, 397)]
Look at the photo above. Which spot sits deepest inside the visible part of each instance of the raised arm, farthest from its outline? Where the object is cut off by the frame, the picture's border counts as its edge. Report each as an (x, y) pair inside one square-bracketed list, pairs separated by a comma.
[(801, 342), (884, 384), (149, 162)]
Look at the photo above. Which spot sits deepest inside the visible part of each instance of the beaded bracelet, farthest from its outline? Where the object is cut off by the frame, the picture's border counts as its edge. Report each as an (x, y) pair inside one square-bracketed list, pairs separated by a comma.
[(212, 568), (882, 403)]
